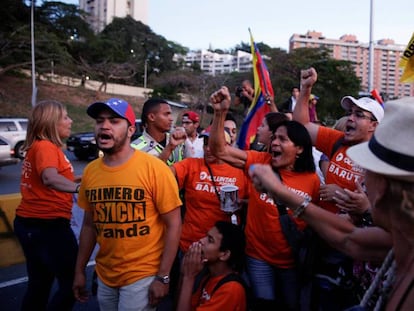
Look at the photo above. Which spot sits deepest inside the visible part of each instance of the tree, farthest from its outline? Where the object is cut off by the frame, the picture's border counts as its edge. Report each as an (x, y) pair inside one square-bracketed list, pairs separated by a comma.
[(66, 21), (336, 78), (53, 23)]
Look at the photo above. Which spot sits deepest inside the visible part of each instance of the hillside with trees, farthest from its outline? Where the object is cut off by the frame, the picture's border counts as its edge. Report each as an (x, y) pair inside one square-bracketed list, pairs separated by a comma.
[(65, 45)]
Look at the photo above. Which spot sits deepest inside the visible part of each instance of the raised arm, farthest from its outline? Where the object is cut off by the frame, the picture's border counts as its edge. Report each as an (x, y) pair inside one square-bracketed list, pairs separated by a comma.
[(177, 138), (370, 243), (308, 77), (220, 101), (270, 100)]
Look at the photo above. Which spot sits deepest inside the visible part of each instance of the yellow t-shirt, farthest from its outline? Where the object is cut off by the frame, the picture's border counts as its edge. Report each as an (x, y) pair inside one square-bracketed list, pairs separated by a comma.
[(126, 202)]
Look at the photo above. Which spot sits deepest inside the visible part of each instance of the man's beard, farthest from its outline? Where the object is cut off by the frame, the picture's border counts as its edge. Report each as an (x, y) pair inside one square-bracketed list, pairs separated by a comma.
[(118, 145)]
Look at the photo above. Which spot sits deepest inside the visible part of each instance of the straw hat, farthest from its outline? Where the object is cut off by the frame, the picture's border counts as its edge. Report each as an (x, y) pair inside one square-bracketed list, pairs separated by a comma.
[(390, 151)]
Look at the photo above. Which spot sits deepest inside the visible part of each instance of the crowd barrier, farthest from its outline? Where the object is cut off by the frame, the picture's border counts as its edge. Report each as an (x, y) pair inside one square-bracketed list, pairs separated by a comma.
[(10, 250)]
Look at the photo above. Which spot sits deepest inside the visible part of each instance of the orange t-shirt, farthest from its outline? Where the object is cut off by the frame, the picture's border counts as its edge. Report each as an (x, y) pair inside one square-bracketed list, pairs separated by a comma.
[(202, 205), (230, 296), (342, 171), (127, 202), (38, 200), (264, 237)]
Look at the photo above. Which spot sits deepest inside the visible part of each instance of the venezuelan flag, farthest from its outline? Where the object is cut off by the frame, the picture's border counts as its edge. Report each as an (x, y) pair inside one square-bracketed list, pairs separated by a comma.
[(258, 108), (377, 97)]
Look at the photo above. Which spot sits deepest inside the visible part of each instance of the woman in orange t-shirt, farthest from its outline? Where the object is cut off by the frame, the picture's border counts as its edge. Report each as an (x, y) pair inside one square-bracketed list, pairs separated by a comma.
[(42, 222), (270, 260)]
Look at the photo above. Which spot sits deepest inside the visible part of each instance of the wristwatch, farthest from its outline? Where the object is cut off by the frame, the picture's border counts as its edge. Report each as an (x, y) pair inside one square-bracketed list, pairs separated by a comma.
[(163, 279)]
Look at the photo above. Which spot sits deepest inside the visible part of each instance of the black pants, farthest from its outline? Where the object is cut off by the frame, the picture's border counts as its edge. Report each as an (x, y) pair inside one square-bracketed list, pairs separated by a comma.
[(50, 248)]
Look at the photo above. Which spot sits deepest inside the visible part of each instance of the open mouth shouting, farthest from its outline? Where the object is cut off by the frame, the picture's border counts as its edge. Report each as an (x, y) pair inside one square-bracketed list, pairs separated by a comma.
[(103, 139)]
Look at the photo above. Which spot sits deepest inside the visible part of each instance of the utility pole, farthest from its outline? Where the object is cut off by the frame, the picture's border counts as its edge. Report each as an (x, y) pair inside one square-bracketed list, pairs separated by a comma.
[(371, 49), (145, 73), (34, 88)]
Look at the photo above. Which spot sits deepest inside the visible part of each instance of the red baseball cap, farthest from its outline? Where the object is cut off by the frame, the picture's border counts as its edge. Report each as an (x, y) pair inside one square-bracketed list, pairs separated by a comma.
[(192, 116)]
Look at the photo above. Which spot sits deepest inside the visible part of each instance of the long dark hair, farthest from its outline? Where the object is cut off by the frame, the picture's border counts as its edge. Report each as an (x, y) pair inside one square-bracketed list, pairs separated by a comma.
[(299, 135)]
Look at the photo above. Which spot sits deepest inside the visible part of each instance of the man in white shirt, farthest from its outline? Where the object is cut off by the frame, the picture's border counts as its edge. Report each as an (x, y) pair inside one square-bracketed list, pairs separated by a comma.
[(193, 147)]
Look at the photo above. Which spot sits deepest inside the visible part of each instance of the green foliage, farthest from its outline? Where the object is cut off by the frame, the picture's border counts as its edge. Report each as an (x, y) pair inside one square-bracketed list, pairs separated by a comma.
[(64, 20), (125, 48), (335, 78)]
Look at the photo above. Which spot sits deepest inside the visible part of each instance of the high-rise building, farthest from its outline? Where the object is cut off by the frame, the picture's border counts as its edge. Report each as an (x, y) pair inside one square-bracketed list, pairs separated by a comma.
[(102, 12), (387, 54)]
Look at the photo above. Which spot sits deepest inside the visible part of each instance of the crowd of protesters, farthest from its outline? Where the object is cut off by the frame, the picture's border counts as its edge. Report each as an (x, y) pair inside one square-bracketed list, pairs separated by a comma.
[(327, 233)]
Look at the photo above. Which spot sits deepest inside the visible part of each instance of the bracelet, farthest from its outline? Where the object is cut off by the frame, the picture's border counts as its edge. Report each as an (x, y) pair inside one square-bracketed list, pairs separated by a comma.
[(301, 208), (77, 188)]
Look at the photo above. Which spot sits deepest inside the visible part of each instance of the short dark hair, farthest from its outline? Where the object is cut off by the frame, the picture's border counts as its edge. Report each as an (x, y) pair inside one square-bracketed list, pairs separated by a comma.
[(151, 105), (230, 117), (233, 239), (299, 135)]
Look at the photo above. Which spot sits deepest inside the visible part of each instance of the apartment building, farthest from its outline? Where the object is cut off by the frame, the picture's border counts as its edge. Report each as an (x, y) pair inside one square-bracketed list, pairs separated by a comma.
[(214, 63), (102, 12), (387, 56)]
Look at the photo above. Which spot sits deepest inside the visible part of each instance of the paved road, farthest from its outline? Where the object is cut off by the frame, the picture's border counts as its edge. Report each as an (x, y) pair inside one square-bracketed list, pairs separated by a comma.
[(10, 175), (13, 279)]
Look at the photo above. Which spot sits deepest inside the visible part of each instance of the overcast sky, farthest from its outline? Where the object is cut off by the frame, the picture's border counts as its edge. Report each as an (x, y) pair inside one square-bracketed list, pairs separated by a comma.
[(224, 23)]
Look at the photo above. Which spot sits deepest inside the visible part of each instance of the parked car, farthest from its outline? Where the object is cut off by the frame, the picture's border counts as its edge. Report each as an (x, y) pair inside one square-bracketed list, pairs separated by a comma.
[(6, 153), (14, 131), (84, 147)]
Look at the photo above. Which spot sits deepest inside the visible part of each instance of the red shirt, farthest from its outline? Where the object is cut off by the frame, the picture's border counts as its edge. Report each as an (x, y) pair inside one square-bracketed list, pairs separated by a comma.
[(202, 205), (230, 296)]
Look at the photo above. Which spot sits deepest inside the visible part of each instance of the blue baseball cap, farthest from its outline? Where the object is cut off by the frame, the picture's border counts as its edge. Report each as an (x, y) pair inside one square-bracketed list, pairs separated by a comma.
[(119, 106)]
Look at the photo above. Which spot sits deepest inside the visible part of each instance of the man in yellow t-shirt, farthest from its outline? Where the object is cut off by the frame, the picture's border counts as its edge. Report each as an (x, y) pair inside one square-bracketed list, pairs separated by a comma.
[(132, 211)]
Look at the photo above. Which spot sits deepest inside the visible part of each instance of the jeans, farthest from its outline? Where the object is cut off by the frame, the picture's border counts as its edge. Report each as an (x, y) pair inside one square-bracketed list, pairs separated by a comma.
[(50, 248), (132, 297), (274, 284)]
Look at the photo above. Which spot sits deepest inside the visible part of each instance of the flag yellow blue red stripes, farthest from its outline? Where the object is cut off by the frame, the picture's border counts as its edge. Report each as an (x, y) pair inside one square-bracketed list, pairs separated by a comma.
[(259, 107)]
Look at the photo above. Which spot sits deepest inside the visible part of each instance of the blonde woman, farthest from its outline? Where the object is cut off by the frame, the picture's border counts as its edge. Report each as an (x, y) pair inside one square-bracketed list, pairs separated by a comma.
[(42, 222)]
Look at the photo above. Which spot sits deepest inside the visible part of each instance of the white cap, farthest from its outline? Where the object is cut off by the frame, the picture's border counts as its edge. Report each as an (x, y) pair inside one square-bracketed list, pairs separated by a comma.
[(365, 103)]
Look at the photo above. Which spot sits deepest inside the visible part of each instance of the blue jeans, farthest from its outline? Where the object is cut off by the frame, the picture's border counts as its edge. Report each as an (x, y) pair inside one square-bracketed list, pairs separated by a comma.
[(271, 283), (131, 297), (50, 248)]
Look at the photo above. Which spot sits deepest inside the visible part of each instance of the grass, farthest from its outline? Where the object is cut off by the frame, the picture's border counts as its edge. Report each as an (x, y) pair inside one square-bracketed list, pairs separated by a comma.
[(16, 94)]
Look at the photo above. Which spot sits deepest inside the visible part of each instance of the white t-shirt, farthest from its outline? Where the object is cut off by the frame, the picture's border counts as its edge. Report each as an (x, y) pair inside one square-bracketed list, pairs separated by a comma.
[(194, 149)]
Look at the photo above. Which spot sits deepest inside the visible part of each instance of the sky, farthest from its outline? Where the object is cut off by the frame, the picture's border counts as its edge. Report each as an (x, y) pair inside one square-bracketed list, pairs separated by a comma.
[(222, 24)]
